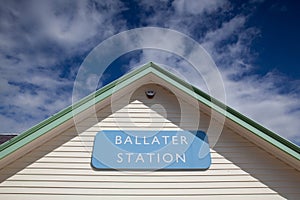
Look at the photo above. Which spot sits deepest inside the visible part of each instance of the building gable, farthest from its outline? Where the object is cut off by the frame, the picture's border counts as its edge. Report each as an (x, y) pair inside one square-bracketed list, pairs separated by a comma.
[(53, 159)]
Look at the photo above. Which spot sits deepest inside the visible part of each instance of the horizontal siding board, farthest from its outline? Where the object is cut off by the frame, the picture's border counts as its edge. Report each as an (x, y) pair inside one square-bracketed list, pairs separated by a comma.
[(135, 178), (129, 177), (144, 191), (69, 156), (86, 165), (94, 130), (79, 143), (84, 158), (132, 185), (224, 172), (274, 180), (87, 138), (140, 113), (65, 165), (139, 197)]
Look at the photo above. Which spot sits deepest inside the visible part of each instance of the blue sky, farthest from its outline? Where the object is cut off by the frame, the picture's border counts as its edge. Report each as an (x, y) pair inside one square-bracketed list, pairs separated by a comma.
[(255, 45)]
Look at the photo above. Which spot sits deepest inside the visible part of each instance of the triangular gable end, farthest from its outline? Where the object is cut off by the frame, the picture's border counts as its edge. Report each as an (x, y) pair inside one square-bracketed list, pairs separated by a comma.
[(273, 143), (53, 159)]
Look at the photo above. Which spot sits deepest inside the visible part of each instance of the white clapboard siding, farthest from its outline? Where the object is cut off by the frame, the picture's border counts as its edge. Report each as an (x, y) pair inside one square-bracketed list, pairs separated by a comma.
[(135, 197), (60, 168)]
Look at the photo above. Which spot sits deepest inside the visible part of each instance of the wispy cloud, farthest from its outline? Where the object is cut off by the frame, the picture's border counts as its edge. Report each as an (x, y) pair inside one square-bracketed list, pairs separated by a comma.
[(36, 40), (183, 7)]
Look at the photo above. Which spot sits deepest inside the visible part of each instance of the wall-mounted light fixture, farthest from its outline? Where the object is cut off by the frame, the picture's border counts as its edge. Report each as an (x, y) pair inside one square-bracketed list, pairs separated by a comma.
[(150, 94)]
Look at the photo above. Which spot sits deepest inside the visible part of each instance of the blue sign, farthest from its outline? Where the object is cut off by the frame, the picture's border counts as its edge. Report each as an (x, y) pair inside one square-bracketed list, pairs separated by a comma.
[(151, 150)]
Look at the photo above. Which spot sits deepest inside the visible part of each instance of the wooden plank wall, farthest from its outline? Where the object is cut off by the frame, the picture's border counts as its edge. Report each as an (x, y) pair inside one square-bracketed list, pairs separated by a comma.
[(60, 168)]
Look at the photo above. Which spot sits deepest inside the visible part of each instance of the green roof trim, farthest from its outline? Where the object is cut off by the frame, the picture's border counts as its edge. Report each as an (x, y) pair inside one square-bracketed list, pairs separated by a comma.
[(106, 91)]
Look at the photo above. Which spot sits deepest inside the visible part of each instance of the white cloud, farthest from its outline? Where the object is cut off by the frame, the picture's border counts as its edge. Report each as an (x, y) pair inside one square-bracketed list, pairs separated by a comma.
[(36, 39), (260, 98), (37, 29), (198, 7), (227, 30)]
